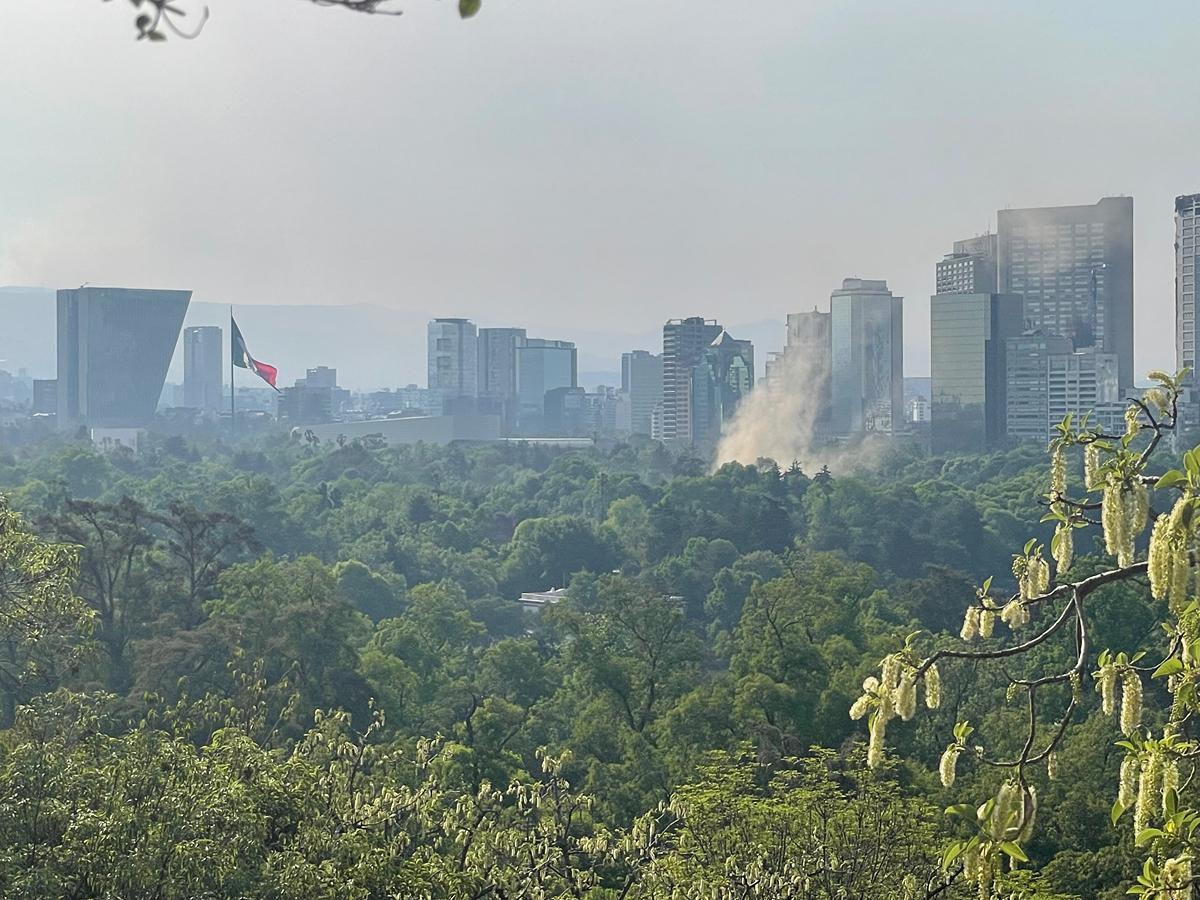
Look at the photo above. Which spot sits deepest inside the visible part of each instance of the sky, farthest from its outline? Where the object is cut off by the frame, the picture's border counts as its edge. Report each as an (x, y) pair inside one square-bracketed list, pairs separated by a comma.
[(583, 166)]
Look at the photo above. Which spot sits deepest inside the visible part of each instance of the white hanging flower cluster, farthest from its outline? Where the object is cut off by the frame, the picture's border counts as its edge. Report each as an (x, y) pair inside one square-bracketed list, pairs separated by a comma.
[(971, 622), (1170, 560), (1032, 573), (948, 765), (892, 694), (1064, 546), (1058, 471), (1132, 422), (1177, 877), (1015, 614), (1127, 785), (1091, 466), (1123, 515), (1149, 785), (1052, 765), (1116, 671), (933, 687), (1131, 701)]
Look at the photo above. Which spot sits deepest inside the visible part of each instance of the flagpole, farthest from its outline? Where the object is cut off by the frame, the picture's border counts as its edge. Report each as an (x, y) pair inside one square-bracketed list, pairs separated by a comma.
[(232, 393)]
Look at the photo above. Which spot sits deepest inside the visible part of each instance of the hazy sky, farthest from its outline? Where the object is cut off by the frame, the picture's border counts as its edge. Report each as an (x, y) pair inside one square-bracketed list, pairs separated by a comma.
[(591, 165)]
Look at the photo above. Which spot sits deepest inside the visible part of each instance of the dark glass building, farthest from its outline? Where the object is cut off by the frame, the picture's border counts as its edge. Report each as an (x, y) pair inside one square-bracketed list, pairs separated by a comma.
[(114, 348), (968, 366)]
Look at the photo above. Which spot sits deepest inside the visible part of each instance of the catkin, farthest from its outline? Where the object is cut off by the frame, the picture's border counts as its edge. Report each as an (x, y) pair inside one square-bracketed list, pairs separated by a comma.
[(1106, 684), (1177, 878), (1160, 562), (1114, 518), (987, 622), (1064, 547), (948, 766), (970, 629), (1052, 765), (1091, 466), (1148, 787), (1131, 701), (906, 696), (1127, 786), (933, 687), (860, 707), (1058, 472), (878, 732), (1132, 423)]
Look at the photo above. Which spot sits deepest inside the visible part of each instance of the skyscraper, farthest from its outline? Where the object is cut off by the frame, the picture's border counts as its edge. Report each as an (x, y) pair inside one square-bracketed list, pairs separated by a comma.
[(807, 362), (1026, 383), (114, 348), (542, 366), (867, 336), (498, 368), (1074, 267), (642, 382), (1187, 249), (202, 382), (453, 359), (684, 344), (970, 268), (722, 378), (968, 362)]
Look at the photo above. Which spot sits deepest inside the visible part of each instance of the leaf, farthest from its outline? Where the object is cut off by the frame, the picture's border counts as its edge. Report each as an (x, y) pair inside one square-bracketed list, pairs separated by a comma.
[(468, 8), (1118, 810), (952, 853), (1170, 479), (1168, 667), (1146, 835), (1014, 850)]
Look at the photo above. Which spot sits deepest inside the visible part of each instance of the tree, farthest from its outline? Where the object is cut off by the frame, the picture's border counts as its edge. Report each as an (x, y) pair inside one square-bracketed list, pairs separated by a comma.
[(44, 627), (1119, 485)]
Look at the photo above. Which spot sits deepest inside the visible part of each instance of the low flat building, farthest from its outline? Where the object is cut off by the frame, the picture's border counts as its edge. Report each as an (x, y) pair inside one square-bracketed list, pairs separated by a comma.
[(439, 430)]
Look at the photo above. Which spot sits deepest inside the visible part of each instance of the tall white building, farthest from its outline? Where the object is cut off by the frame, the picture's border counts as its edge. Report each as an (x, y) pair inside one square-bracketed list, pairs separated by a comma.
[(867, 371), (1187, 224), (203, 385), (453, 360)]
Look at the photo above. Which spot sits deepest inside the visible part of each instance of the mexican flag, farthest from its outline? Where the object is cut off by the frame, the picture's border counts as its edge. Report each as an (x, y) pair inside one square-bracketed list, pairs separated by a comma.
[(242, 358)]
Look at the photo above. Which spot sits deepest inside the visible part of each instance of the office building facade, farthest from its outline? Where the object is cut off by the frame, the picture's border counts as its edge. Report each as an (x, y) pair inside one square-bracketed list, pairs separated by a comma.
[(720, 381), (642, 383), (866, 358), (114, 348), (1187, 251), (970, 268), (1027, 367), (453, 353), (685, 341), (203, 384), (498, 369), (968, 363), (542, 366), (1074, 267)]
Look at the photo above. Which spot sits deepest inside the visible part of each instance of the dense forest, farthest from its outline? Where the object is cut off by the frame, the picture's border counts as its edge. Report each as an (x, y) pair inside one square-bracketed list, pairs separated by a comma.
[(280, 668)]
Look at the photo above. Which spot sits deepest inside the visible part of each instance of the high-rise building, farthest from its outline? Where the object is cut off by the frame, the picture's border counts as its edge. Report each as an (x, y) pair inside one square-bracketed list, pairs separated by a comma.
[(45, 396), (203, 385), (684, 344), (1026, 373), (114, 348), (453, 359), (1081, 383), (807, 361), (722, 378), (642, 381), (1074, 267), (1187, 251), (970, 268), (867, 358), (320, 377), (968, 361), (542, 366), (498, 369)]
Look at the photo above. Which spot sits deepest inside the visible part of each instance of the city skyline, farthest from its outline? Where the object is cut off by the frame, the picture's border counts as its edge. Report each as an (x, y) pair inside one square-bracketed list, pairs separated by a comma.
[(745, 194)]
